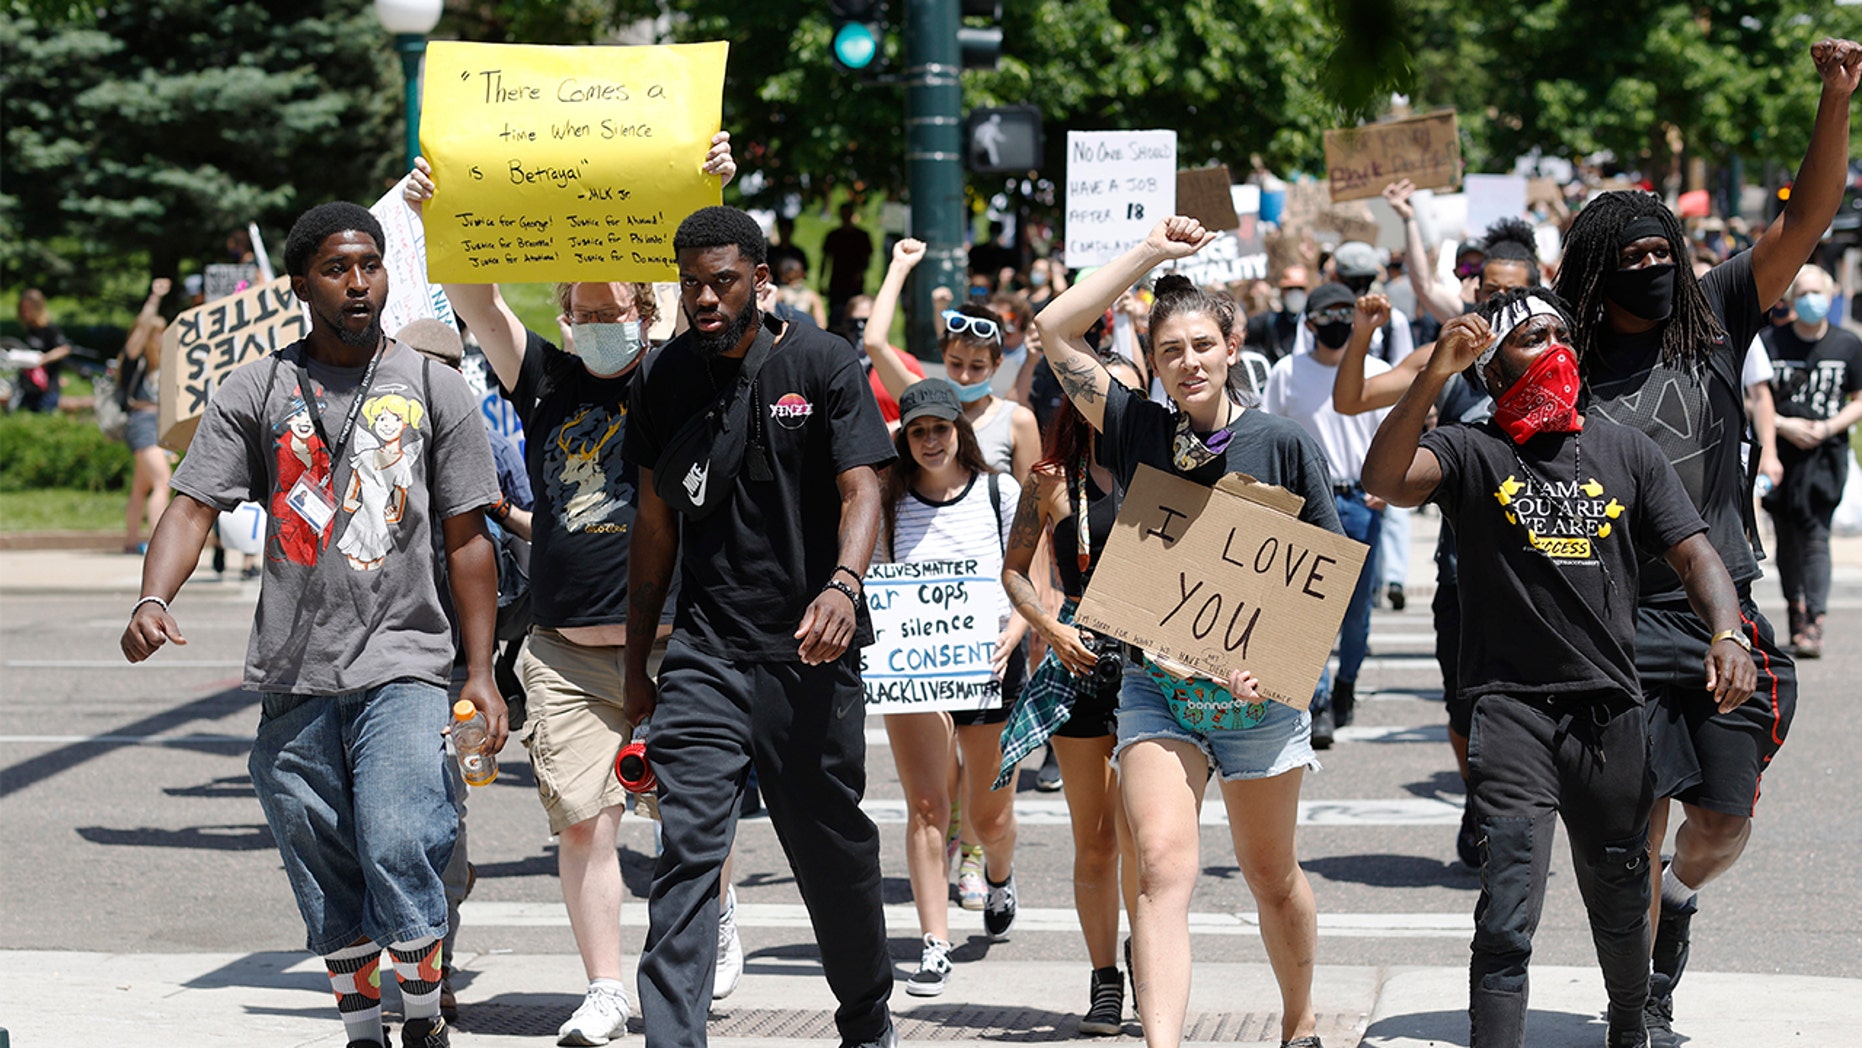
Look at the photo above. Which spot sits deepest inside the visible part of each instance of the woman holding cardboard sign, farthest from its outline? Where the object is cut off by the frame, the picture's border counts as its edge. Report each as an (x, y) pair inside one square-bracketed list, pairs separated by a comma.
[(1164, 754)]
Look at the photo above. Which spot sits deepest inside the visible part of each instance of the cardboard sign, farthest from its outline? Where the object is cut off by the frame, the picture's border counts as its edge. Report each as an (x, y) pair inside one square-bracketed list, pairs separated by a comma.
[(1224, 261), (1120, 184), (566, 163), (207, 342), (1361, 161), (935, 625), (1224, 578), (411, 296), (1203, 194)]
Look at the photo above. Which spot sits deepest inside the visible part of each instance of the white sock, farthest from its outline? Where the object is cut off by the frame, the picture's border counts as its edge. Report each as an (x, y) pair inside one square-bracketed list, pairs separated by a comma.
[(613, 986), (1675, 893)]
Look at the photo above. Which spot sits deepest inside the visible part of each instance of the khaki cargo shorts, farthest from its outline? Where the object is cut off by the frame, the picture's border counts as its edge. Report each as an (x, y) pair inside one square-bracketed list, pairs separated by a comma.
[(575, 724)]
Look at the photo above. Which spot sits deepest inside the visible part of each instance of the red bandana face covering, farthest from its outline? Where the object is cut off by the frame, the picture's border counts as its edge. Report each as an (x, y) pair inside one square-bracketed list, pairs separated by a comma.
[(1544, 400)]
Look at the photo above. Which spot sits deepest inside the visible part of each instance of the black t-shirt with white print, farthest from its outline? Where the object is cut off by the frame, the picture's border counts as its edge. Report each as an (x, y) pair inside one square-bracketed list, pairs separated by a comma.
[(1695, 414), (749, 571), (1557, 531), (1813, 379)]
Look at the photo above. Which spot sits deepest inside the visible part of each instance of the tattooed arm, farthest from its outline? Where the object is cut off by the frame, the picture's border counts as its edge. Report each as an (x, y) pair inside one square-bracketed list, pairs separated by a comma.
[(1044, 503), (1064, 322)]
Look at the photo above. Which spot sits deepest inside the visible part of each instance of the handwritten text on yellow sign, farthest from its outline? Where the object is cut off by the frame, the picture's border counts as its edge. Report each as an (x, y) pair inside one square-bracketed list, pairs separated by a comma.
[(566, 163)]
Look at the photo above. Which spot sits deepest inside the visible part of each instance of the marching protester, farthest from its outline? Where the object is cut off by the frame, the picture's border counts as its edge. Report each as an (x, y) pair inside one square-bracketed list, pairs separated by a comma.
[(1070, 702), (353, 652), (758, 448), (137, 368), (41, 384), (1817, 379), (1300, 388), (1554, 513), (1273, 333), (1648, 330), (573, 404), (943, 502), (1263, 747)]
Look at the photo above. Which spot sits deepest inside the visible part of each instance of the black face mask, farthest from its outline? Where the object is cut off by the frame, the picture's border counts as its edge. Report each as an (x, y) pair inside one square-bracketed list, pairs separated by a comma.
[(1648, 292), (1333, 335)]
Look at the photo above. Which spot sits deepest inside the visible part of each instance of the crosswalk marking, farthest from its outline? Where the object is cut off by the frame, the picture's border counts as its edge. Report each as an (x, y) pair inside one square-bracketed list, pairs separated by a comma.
[(1052, 811), (902, 920)]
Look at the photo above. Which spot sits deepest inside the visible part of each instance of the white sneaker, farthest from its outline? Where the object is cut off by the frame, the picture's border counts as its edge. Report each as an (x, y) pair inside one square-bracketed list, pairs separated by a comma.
[(730, 950), (602, 1017)]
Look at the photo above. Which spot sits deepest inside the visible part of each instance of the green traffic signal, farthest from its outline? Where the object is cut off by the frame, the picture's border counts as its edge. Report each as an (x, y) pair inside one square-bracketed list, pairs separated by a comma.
[(856, 45)]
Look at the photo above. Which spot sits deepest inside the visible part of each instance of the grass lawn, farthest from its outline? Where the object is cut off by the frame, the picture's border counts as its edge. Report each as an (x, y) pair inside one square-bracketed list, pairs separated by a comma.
[(58, 509)]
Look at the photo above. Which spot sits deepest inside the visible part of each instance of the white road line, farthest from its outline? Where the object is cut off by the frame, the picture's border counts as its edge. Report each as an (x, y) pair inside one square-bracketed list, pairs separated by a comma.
[(876, 737), (120, 664), (132, 740), (902, 920)]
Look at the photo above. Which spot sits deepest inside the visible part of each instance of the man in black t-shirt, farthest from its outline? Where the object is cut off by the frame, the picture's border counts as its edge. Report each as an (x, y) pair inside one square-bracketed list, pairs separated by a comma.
[(1662, 351), (1817, 372), (767, 440), (845, 252), (1554, 512)]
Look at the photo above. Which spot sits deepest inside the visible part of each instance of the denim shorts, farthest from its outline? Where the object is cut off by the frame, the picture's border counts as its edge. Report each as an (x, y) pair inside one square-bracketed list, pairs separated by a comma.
[(1281, 742), (356, 792)]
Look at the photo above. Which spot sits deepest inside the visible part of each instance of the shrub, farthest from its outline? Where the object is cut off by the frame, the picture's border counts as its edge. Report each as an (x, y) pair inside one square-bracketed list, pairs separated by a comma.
[(58, 451)]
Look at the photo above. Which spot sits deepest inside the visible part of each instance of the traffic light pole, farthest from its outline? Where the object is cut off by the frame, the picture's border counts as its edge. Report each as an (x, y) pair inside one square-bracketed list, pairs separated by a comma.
[(934, 159)]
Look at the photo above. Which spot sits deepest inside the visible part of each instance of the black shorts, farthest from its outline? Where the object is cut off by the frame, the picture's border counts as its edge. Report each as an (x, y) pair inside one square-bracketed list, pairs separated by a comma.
[(1012, 677), (1094, 716), (1697, 755)]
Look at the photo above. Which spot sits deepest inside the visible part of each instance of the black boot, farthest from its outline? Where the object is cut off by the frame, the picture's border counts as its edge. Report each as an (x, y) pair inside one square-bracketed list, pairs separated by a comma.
[(1344, 702)]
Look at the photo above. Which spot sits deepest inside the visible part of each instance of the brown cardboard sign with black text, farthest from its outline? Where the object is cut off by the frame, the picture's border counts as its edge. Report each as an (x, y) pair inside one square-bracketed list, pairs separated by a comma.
[(1222, 579), (205, 344)]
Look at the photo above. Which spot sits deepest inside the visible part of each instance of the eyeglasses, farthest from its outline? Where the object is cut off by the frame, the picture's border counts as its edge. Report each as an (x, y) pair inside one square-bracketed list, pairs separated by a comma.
[(963, 323), (600, 316)]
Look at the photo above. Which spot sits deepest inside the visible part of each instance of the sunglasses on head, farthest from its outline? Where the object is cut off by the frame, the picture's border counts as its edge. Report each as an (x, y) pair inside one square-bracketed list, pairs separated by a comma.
[(963, 323)]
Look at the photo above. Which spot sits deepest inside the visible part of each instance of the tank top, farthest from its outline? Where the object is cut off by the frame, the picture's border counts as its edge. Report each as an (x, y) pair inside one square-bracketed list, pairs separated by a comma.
[(996, 436), (1102, 511)]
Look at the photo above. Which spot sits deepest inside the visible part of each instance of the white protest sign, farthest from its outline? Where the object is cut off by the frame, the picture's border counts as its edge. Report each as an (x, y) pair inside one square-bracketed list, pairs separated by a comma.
[(1492, 198), (410, 296), (1119, 185), (934, 631), (1223, 261)]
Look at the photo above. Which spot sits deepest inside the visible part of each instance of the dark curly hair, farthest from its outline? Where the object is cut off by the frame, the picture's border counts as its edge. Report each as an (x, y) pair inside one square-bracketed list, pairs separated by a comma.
[(1592, 248), (1511, 240), (321, 223), (720, 226)]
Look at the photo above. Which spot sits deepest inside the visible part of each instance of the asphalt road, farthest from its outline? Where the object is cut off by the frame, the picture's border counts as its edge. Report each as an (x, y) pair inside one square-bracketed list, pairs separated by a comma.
[(130, 826)]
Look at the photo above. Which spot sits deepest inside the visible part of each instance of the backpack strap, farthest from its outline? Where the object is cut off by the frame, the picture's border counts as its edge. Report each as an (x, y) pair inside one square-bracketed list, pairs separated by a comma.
[(995, 505)]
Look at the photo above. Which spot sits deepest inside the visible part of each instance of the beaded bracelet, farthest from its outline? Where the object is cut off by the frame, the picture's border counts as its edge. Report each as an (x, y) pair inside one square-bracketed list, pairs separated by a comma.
[(836, 584)]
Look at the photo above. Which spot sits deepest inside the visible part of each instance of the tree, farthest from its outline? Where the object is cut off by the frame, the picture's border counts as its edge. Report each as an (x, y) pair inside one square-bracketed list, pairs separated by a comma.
[(162, 125)]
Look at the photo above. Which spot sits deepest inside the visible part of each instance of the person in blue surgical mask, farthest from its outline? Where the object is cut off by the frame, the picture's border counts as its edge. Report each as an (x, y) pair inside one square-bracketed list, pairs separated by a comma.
[(573, 404), (970, 341)]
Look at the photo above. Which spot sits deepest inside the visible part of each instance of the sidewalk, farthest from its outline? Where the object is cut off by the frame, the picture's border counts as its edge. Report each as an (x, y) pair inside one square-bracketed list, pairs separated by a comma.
[(507, 1001)]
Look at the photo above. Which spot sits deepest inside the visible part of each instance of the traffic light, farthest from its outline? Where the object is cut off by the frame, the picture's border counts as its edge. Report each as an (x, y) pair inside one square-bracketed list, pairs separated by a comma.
[(859, 40), (981, 45), (1003, 140)]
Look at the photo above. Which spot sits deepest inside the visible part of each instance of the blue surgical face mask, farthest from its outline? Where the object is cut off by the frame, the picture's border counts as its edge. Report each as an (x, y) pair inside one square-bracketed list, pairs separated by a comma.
[(607, 349), (971, 394), (1812, 308)]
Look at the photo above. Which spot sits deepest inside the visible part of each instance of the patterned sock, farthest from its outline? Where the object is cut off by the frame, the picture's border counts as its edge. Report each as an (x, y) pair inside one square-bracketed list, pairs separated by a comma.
[(417, 966), (355, 975)]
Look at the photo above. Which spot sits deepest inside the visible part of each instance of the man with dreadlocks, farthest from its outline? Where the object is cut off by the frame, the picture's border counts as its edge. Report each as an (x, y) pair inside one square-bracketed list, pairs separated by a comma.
[(1660, 350), (1556, 514)]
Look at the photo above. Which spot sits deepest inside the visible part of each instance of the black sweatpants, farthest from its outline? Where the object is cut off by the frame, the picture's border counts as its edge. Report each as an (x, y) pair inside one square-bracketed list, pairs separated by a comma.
[(804, 728), (1531, 759)]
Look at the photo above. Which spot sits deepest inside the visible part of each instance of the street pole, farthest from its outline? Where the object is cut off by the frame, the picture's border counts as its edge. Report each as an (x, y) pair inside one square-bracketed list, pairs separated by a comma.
[(413, 47), (934, 159)]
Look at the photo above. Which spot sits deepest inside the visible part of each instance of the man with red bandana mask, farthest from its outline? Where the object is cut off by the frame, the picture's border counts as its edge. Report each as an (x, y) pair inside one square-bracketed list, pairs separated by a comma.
[(1555, 512)]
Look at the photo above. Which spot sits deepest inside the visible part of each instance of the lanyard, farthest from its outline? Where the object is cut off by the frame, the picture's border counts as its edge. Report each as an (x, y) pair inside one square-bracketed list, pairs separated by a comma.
[(355, 407)]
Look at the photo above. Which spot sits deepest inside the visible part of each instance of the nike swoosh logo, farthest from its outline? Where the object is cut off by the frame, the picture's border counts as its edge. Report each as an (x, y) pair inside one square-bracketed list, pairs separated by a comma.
[(696, 481), (842, 709)]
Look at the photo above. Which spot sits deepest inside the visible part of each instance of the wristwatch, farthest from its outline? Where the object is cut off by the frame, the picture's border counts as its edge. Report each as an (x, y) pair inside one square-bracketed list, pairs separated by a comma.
[(1733, 635)]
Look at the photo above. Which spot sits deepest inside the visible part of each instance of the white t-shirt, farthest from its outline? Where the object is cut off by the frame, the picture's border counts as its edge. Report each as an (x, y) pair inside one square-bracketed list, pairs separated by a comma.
[(960, 529), (1758, 365), (1300, 388)]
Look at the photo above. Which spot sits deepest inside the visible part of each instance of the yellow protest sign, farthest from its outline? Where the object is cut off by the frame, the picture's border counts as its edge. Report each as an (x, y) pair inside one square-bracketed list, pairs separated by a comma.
[(566, 163)]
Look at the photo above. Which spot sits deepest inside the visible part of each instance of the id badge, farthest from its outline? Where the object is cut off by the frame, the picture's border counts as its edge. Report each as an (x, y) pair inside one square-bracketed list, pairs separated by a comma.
[(308, 501)]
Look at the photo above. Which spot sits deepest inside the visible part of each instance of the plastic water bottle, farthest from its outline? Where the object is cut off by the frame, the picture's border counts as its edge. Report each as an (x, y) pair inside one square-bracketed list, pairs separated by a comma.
[(472, 742), (1761, 485)]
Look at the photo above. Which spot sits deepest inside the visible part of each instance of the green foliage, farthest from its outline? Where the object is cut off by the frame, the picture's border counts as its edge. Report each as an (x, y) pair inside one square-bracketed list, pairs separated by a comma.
[(62, 451), (162, 125)]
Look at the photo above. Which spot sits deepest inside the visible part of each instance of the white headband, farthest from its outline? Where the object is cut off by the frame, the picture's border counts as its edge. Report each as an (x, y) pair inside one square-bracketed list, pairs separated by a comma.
[(1509, 319)]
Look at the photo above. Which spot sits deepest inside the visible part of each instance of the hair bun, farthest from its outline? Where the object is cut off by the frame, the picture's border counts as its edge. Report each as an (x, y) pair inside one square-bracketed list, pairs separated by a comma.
[(1173, 284)]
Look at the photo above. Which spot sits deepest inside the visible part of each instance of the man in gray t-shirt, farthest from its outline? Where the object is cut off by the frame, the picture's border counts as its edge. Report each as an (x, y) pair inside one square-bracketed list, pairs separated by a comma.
[(361, 451)]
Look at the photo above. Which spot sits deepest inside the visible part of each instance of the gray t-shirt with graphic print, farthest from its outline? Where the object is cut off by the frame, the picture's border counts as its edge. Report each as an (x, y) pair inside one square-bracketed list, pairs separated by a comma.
[(351, 592)]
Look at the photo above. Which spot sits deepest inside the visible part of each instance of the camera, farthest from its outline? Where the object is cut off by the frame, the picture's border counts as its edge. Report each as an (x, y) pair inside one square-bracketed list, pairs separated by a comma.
[(1109, 667)]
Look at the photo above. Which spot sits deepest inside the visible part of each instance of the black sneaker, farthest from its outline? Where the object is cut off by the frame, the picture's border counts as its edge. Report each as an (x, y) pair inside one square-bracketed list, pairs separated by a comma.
[(383, 1043), (1398, 601), (1658, 1022), (933, 969), (1106, 1015), (1047, 780), (1311, 1041), (1344, 702), (1630, 1037), (999, 909), (426, 1033), (1322, 727), (1468, 839)]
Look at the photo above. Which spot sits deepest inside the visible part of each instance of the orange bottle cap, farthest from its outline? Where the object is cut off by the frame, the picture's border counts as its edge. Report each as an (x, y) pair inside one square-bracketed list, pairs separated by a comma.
[(464, 710)]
